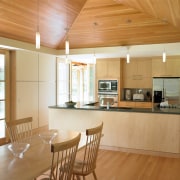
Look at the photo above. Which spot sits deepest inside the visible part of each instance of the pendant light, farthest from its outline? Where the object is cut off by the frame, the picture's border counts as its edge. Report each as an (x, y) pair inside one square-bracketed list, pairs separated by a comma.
[(37, 32), (164, 56), (94, 31), (94, 58), (127, 56), (37, 40), (67, 47), (67, 42)]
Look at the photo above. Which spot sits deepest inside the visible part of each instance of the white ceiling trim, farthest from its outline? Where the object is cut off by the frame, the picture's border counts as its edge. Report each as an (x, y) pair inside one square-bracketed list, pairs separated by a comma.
[(171, 49)]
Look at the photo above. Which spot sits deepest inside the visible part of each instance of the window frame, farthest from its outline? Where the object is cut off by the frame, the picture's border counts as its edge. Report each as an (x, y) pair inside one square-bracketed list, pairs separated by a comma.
[(7, 81), (80, 75)]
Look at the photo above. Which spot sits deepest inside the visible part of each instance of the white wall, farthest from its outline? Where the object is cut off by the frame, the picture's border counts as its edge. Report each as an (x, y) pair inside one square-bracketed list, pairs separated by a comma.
[(35, 85)]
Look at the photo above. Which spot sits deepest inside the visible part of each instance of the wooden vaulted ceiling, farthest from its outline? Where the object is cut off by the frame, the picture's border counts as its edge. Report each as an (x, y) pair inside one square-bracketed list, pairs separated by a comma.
[(91, 23)]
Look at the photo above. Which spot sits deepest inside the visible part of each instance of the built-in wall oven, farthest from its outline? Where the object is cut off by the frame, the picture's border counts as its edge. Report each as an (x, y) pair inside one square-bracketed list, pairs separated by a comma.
[(108, 93)]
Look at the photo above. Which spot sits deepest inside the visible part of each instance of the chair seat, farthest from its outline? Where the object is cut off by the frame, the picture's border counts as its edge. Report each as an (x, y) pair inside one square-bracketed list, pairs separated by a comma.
[(88, 164), (78, 167)]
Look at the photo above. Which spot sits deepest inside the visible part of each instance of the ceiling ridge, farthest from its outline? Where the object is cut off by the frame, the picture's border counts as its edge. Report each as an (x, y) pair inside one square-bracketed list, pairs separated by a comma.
[(69, 28)]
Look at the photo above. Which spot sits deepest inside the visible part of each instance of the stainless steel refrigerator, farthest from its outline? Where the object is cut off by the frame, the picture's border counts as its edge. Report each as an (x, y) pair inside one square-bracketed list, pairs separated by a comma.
[(166, 89)]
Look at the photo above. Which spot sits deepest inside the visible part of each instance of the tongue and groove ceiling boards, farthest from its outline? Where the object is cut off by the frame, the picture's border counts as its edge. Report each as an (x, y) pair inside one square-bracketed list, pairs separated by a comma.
[(91, 23)]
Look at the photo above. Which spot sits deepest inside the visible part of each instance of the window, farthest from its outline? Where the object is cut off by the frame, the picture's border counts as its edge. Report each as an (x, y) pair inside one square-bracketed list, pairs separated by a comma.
[(63, 84), (2, 95), (4, 92), (83, 82)]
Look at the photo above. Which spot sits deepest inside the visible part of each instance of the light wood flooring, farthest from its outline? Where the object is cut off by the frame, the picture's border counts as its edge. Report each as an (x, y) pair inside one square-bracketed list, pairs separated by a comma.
[(115, 165)]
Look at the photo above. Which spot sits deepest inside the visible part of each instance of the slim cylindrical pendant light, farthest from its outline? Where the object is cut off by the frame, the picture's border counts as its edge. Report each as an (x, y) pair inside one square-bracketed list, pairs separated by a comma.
[(164, 56), (38, 38), (67, 42), (128, 58), (67, 47), (94, 59)]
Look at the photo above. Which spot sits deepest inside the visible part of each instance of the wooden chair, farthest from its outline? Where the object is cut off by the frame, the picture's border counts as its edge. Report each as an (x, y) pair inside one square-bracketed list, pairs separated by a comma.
[(63, 157), (20, 130), (87, 165)]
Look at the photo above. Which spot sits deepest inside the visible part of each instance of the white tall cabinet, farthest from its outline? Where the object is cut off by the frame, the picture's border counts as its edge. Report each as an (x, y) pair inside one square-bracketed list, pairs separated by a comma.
[(35, 85)]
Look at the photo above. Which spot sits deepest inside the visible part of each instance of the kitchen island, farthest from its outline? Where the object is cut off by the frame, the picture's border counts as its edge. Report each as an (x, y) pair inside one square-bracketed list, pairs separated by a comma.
[(129, 129)]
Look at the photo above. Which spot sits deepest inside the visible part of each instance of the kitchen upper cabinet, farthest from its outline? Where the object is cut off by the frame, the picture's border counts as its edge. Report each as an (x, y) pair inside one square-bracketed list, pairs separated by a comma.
[(168, 69), (108, 68), (137, 73)]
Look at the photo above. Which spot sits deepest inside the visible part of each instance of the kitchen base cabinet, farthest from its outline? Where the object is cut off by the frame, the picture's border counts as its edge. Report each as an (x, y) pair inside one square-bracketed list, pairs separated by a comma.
[(135, 104), (130, 130)]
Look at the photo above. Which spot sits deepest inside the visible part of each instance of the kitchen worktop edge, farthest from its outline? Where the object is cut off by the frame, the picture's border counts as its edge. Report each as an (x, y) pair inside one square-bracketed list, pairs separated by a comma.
[(130, 110)]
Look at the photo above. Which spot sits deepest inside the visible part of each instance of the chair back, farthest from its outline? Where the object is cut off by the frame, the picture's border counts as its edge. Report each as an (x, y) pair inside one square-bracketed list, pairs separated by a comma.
[(91, 149), (20, 130), (63, 158)]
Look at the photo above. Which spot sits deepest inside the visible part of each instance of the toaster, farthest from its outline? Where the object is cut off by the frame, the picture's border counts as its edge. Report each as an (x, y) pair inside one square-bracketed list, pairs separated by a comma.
[(138, 97)]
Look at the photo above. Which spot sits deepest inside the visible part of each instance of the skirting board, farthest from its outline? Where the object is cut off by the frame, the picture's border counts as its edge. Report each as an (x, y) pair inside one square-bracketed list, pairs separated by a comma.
[(140, 151)]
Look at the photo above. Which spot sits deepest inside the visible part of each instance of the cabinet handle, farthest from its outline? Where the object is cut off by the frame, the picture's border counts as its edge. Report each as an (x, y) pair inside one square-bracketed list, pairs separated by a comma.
[(137, 77)]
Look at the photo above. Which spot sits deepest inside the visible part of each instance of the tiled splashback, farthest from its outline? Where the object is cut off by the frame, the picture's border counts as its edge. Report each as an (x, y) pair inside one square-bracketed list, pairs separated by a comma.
[(147, 93)]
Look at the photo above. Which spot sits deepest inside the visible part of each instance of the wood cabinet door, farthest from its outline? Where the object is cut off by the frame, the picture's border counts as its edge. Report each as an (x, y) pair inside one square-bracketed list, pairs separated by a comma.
[(170, 68), (144, 67), (101, 69), (137, 67), (127, 104), (173, 67), (137, 74), (158, 68), (129, 69), (143, 104), (113, 69), (108, 68), (134, 104)]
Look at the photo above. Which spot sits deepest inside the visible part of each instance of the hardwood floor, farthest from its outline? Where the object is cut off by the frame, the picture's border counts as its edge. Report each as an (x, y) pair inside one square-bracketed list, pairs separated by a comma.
[(115, 165)]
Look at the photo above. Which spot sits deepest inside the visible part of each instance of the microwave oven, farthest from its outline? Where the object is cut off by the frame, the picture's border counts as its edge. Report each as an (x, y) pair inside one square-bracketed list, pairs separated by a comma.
[(107, 86)]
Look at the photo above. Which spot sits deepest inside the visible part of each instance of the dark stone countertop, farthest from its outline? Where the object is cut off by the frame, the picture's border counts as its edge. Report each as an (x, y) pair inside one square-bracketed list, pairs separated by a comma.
[(96, 107)]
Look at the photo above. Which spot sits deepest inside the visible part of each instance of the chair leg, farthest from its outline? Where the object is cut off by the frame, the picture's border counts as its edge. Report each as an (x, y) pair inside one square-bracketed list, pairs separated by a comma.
[(94, 174)]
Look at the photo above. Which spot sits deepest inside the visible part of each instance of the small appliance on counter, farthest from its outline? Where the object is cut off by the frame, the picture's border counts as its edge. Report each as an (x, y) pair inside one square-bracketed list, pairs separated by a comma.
[(128, 95), (138, 97), (157, 96)]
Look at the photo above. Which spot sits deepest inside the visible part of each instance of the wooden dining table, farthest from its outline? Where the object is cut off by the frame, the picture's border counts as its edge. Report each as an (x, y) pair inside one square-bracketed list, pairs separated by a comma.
[(36, 160)]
